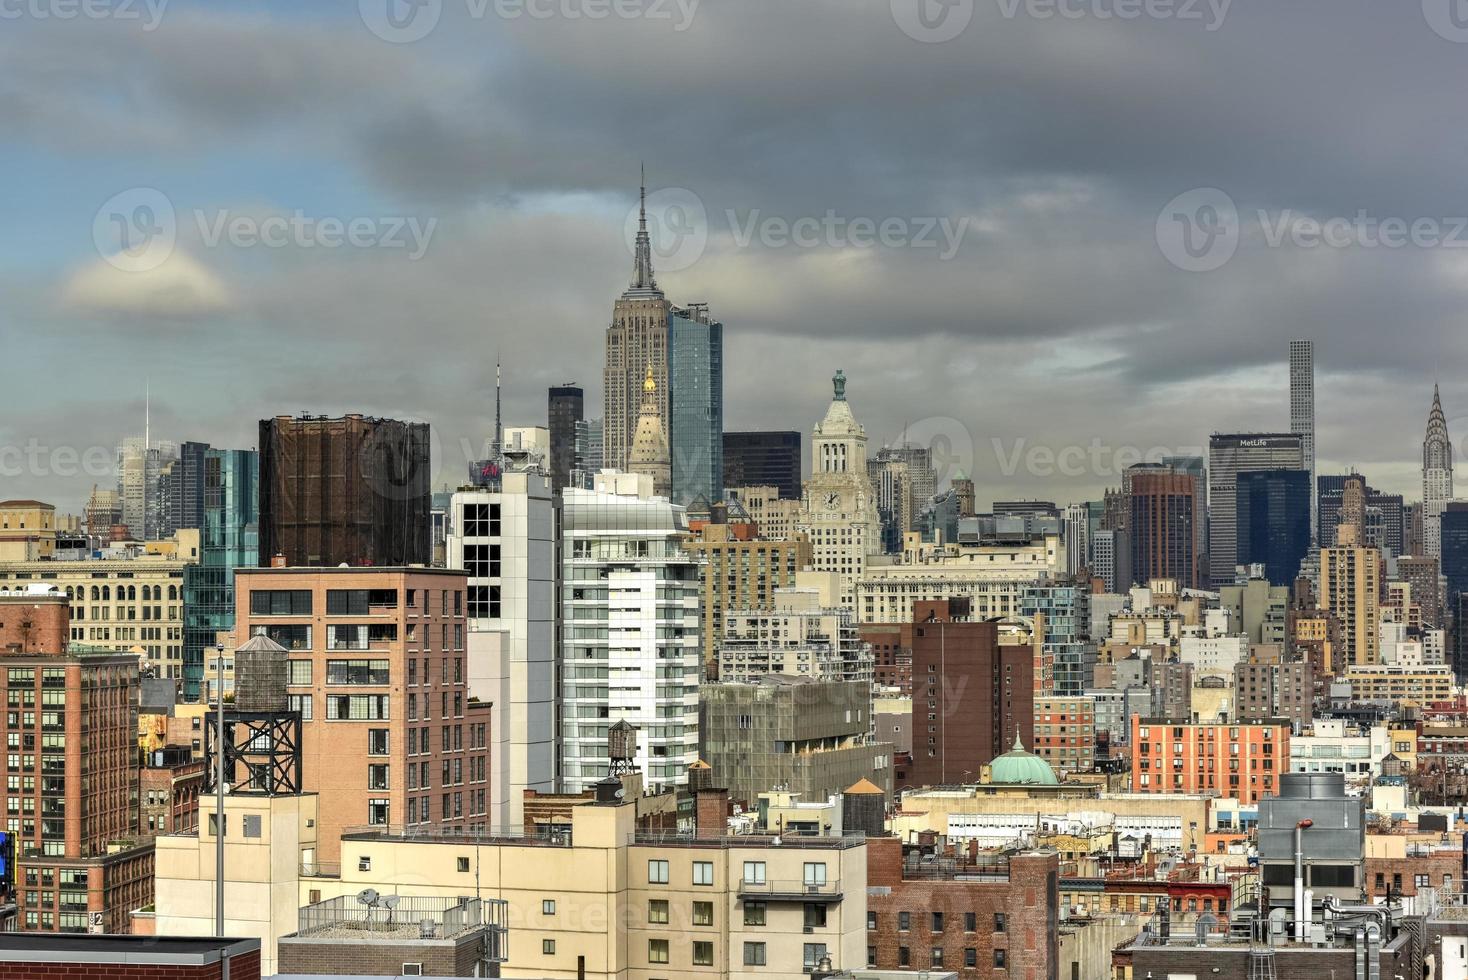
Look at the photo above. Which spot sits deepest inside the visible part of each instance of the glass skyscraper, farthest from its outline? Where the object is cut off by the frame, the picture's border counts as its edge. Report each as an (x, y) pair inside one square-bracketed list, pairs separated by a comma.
[(1067, 612), (1273, 517), (229, 539), (696, 406)]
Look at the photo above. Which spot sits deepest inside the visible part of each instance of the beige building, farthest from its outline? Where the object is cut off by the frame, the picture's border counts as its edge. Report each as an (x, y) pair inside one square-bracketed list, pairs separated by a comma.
[(269, 842), (795, 634), (1350, 587), (838, 512), (27, 530), (740, 574), (776, 518), (992, 577), (1419, 684), (125, 605)]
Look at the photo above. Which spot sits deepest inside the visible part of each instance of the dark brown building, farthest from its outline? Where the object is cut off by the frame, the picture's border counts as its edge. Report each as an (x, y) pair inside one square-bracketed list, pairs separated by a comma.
[(1422, 575), (970, 693), (1165, 509), (351, 490), (168, 791), (1263, 691), (891, 645), (994, 917), (421, 936), (38, 621)]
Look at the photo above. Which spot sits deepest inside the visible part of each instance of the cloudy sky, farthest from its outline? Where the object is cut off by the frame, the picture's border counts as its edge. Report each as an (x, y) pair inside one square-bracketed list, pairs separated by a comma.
[(1046, 235)]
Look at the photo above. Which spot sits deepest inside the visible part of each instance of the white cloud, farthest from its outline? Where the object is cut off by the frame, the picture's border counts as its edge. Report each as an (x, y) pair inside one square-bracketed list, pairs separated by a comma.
[(179, 288)]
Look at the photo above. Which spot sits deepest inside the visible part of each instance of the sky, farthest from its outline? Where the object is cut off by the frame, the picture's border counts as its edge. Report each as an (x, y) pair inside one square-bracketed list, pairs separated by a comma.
[(1048, 237)]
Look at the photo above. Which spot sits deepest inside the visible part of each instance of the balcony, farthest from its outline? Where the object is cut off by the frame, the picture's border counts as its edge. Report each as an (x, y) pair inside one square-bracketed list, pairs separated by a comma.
[(791, 890), (321, 869)]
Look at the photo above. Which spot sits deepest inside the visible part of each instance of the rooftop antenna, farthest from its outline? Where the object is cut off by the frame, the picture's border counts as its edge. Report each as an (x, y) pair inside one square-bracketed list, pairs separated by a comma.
[(499, 433)]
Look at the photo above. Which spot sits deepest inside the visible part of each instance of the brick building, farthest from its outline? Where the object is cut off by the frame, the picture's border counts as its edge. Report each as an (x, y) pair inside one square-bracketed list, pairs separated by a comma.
[(971, 693), (1239, 761), (1065, 733), (169, 784), (31, 957), (32, 619), (378, 672), (940, 915)]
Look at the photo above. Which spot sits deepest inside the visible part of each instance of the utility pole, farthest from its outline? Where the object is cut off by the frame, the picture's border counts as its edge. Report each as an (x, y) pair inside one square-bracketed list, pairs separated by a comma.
[(219, 800)]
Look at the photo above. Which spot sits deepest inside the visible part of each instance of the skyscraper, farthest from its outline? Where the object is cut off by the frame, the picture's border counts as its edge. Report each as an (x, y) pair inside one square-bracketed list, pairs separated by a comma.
[(1273, 515), (1165, 506), (696, 407), (350, 490), (764, 459), (1302, 409), (142, 467), (636, 341), (837, 510), (566, 405), (649, 455), (1350, 587), (1230, 454), (1437, 476), (229, 538)]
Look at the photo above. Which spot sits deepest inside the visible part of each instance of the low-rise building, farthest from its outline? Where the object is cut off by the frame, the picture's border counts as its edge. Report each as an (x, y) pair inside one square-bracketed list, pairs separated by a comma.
[(1244, 760)]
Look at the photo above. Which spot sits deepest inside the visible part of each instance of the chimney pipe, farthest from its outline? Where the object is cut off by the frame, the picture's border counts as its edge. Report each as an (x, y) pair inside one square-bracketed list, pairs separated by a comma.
[(1302, 913)]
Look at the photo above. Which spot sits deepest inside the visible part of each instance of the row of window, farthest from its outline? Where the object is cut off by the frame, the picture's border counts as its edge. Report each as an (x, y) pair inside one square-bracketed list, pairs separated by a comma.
[(939, 921)]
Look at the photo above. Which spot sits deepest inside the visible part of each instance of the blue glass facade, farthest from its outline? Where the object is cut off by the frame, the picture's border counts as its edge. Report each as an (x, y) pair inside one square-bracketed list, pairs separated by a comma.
[(228, 539), (696, 407), (1273, 514), (1067, 611)]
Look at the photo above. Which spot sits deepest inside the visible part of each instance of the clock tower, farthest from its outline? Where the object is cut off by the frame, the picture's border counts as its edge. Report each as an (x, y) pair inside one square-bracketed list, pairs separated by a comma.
[(837, 511)]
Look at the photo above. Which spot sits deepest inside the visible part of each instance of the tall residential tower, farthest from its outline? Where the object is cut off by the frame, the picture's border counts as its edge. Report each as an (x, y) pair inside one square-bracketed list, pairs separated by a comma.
[(1302, 409)]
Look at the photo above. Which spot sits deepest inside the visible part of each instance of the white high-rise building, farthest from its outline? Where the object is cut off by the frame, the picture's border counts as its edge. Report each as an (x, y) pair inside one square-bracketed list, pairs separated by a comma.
[(141, 486), (631, 642), (837, 510), (1437, 477), (1302, 413), (506, 540), (1077, 537)]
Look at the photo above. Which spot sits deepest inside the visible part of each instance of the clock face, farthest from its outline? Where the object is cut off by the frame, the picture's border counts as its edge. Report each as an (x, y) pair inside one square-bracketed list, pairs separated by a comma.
[(832, 500)]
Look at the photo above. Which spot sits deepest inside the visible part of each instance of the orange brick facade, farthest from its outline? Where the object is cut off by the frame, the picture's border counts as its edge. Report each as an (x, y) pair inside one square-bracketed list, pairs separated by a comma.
[(1238, 761)]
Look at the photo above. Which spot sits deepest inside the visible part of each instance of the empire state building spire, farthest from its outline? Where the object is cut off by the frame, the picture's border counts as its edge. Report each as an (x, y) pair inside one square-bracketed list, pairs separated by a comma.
[(643, 282)]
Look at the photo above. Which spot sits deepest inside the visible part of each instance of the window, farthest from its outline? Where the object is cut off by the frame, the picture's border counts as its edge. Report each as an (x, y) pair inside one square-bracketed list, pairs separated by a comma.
[(657, 911), (937, 922), (657, 951), (251, 825), (547, 906), (357, 672), (815, 915), (482, 560), (214, 825), (871, 919), (303, 704), (754, 913), (657, 874), (937, 956), (703, 953), (703, 872), (754, 954), (904, 921), (377, 776), (703, 913), (412, 969), (548, 947), (999, 921), (347, 602), (481, 520), (377, 812), (815, 874), (999, 960), (970, 921), (970, 958), (300, 673), (356, 707), (904, 958), (377, 741), (814, 953), (463, 865), (284, 602), (871, 956), (484, 602), (754, 872)]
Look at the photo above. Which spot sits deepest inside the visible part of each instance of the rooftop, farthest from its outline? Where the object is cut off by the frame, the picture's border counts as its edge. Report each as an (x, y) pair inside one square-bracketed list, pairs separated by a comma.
[(38, 947)]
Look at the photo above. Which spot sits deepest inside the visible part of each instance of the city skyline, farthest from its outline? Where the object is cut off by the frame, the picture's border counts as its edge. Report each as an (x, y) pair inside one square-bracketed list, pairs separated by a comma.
[(536, 231)]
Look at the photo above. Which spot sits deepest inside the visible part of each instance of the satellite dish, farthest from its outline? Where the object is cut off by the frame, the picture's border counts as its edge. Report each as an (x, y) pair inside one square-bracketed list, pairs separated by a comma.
[(368, 896), (620, 793), (391, 901)]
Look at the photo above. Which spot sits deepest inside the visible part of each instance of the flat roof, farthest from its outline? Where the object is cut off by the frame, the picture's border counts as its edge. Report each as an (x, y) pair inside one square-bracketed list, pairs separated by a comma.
[(351, 570), (23, 947)]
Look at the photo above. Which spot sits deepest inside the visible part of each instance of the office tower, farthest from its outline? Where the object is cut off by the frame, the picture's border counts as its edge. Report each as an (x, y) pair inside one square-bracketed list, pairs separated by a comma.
[(972, 694), (505, 541), (1387, 531), (229, 538), (1454, 561), (1422, 575), (1350, 587), (632, 614), (142, 486), (1111, 559), (696, 407), (637, 341), (588, 453), (1273, 517), (837, 512), (1025, 508), (389, 733), (564, 416), (774, 516), (1065, 632), (186, 486), (73, 793), (893, 495), (1229, 455), (350, 490), (764, 459), (1165, 506), (963, 489), (1077, 538), (1437, 476), (1302, 409), (649, 455), (921, 475), (102, 513), (740, 574)]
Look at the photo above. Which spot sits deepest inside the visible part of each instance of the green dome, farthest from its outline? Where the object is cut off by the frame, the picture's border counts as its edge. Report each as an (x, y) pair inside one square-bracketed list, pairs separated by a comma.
[(1020, 768)]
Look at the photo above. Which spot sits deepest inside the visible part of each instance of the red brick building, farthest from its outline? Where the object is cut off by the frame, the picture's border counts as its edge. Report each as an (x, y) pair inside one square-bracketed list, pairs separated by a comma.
[(970, 693), (32, 957), (1239, 761), (924, 915), (891, 645), (168, 791), (37, 620)]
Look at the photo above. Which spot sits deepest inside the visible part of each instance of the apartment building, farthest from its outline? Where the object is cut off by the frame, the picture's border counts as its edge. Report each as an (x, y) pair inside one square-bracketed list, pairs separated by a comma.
[(1239, 761), (377, 669), (1065, 733), (740, 574), (797, 635)]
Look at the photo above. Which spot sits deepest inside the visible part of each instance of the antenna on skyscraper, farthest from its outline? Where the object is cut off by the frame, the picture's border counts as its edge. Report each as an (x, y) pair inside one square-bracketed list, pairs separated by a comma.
[(499, 432), (147, 414)]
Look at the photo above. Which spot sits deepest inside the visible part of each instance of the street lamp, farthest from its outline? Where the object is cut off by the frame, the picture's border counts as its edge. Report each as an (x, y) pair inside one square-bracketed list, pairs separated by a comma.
[(219, 799)]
